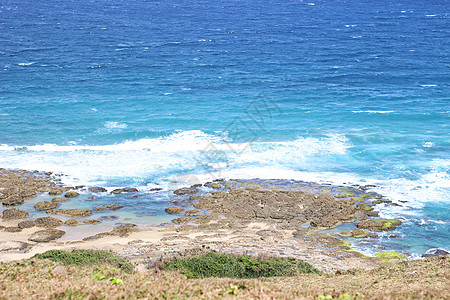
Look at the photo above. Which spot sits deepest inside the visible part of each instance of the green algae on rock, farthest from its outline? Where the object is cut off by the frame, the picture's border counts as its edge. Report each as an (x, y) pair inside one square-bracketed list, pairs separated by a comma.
[(379, 224), (390, 255)]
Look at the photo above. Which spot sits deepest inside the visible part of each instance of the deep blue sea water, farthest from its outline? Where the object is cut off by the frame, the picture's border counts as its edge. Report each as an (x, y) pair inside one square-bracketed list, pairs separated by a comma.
[(148, 93)]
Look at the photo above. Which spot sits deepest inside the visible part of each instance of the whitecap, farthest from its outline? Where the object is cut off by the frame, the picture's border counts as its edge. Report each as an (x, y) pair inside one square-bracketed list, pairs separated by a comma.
[(428, 144), (428, 85), (26, 64), (112, 125), (373, 111)]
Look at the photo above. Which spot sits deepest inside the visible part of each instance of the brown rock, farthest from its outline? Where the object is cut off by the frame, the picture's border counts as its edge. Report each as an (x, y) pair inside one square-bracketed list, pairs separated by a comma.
[(12, 229), (183, 220), (45, 205), (14, 214), (124, 190), (100, 208), (91, 222), (124, 230), (46, 235), (26, 224), (71, 194), (55, 192), (59, 199), (114, 207), (72, 222), (186, 191), (76, 212), (174, 210), (48, 222), (192, 212), (97, 189)]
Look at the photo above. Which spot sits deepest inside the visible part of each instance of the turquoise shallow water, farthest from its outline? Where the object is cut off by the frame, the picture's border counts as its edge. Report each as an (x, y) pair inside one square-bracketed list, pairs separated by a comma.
[(157, 93)]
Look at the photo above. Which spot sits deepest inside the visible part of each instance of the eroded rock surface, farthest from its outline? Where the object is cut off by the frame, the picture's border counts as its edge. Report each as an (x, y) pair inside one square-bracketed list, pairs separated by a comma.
[(14, 214), (45, 205), (76, 212), (46, 235)]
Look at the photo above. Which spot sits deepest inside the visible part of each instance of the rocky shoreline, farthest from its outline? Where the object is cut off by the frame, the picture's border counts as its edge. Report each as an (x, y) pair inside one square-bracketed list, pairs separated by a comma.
[(277, 218)]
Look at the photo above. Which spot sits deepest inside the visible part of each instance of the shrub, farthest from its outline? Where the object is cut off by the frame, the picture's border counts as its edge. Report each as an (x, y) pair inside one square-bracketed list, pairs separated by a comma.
[(214, 264), (86, 257)]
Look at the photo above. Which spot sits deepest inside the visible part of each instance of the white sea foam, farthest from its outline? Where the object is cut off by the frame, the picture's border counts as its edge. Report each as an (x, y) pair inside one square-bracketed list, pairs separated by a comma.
[(181, 155), (373, 111), (428, 85), (26, 64)]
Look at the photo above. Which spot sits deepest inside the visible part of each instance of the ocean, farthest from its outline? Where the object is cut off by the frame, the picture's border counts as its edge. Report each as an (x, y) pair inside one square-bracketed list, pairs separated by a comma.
[(166, 93)]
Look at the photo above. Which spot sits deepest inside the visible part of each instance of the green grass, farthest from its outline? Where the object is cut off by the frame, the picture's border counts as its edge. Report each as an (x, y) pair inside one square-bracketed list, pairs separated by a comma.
[(86, 257), (214, 264)]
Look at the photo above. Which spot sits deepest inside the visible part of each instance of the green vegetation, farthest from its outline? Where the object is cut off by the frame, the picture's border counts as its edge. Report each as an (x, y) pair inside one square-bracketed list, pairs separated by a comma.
[(86, 257), (389, 255), (214, 264), (47, 279)]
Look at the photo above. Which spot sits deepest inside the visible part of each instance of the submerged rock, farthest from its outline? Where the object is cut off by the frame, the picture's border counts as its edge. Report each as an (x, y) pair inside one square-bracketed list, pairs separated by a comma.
[(100, 208), (45, 205), (174, 210), (48, 222), (46, 235), (357, 233), (14, 214), (76, 212)]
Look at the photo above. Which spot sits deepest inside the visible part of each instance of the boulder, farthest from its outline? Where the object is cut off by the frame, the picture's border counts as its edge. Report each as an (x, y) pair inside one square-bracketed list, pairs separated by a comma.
[(71, 194), (76, 212), (114, 207), (46, 235), (59, 199), (97, 189), (45, 205), (12, 245), (55, 192), (435, 252), (26, 224), (174, 210), (48, 222), (14, 214)]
